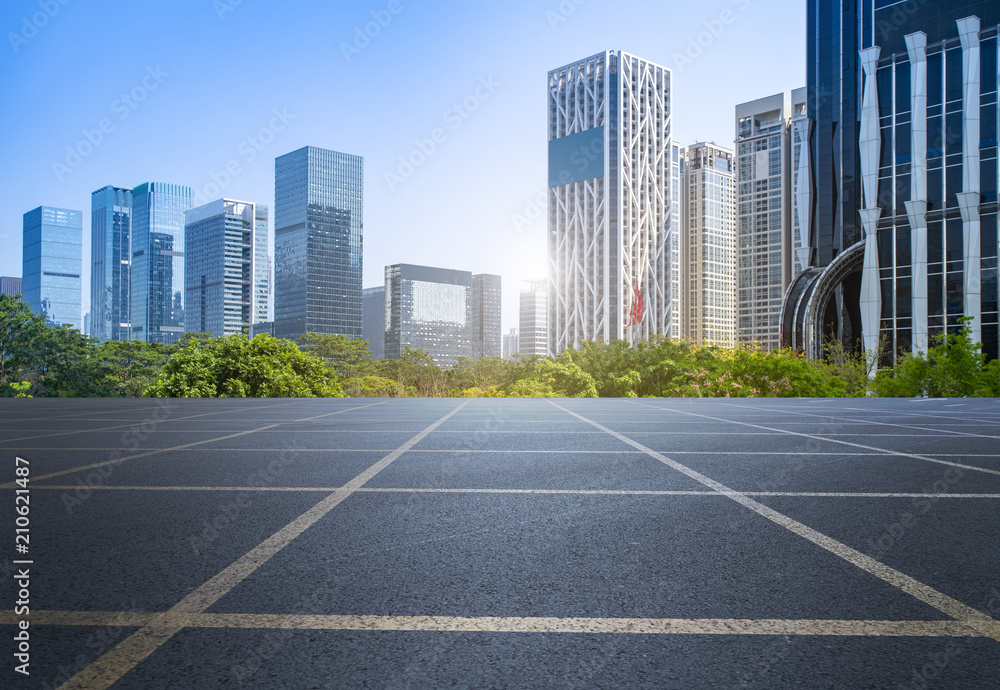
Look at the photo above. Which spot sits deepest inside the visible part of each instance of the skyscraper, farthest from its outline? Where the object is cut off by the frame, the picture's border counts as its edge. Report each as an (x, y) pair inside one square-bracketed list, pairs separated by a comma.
[(318, 223), (905, 158), (110, 263), (373, 320), (428, 309), (157, 282), (533, 314), (709, 245), (225, 268), (52, 261), (10, 285), (610, 167), (510, 344), (486, 312), (772, 141)]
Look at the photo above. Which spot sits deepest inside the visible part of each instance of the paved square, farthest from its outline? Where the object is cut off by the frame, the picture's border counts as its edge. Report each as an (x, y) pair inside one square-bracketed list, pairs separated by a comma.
[(518, 543)]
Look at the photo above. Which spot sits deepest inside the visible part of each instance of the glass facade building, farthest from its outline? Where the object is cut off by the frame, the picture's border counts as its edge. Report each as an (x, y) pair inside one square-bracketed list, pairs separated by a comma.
[(110, 263), (428, 309), (318, 226), (52, 262), (904, 100), (533, 315), (485, 335), (157, 281), (611, 173), (373, 320), (10, 285), (225, 267), (709, 245)]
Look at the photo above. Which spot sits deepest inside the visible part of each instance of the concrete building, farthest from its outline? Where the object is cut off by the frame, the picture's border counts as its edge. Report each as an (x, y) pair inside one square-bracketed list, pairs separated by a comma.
[(318, 227), (709, 245), (225, 271), (373, 320), (609, 202), (772, 133), (52, 261), (510, 344), (428, 309), (533, 316), (110, 263), (486, 313)]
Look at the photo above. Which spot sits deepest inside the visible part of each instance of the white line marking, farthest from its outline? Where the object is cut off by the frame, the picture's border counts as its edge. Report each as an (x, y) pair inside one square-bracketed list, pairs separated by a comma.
[(911, 586)]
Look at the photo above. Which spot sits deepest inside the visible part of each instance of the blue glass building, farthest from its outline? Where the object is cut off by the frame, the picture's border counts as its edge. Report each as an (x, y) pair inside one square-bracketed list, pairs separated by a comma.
[(904, 149), (10, 285), (225, 267), (110, 263), (318, 222), (52, 260), (157, 281), (428, 309)]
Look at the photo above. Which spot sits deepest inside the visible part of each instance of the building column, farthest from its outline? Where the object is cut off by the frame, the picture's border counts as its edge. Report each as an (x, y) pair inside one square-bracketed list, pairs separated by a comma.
[(916, 209), (870, 142), (803, 193), (968, 201)]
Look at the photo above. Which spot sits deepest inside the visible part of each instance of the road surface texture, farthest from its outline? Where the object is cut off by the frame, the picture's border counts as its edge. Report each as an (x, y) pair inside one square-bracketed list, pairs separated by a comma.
[(502, 543)]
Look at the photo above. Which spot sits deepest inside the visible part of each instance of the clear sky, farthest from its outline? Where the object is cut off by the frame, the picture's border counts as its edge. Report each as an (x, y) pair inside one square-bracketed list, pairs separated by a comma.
[(185, 89)]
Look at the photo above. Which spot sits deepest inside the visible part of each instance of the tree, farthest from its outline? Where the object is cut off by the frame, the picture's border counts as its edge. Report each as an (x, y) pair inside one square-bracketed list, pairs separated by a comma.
[(350, 357), (19, 329), (132, 365), (66, 364), (235, 367)]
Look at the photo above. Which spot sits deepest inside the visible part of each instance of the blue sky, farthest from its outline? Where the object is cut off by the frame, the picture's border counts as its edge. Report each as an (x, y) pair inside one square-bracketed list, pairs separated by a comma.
[(207, 93)]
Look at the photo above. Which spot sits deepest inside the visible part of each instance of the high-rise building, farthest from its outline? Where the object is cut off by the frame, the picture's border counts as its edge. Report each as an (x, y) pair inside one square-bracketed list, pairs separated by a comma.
[(709, 245), (675, 231), (52, 261), (533, 314), (225, 267), (10, 285), (610, 167), (428, 309), (905, 159), (485, 334), (156, 287), (318, 222), (110, 263), (373, 320), (510, 344), (772, 133)]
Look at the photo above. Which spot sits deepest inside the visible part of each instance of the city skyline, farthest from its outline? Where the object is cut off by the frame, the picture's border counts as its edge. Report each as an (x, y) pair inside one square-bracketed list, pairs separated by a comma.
[(475, 190)]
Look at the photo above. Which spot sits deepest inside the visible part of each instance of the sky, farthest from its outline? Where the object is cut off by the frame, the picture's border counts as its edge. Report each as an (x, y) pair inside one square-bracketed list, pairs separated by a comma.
[(446, 102)]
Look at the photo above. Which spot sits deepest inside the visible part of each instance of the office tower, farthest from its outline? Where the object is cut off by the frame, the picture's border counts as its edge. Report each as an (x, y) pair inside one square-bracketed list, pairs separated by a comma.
[(510, 344), (485, 334), (157, 282), (428, 309), (225, 267), (373, 320), (675, 230), (10, 285), (609, 200), (709, 245), (110, 263), (52, 261), (318, 221), (533, 335), (905, 158), (771, 135)]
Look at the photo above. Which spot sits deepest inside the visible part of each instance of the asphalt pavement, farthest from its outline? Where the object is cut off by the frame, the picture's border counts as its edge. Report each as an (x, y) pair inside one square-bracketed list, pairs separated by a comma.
[(415, 543)]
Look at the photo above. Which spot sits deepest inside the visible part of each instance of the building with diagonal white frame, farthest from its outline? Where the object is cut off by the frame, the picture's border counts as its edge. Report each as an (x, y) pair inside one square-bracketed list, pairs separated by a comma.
[(609, 201)]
